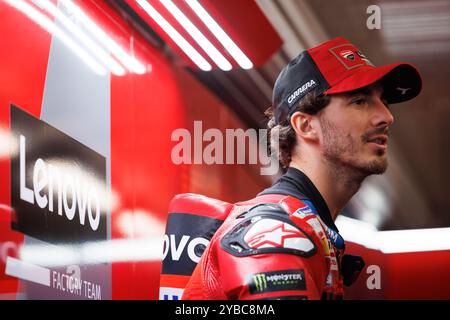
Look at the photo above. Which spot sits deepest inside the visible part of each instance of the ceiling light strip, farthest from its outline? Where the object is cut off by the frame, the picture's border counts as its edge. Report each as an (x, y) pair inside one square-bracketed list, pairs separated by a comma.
[(193, 54), (198, 36), (130, 62), (101, 54), (220, 34), (48, 25)]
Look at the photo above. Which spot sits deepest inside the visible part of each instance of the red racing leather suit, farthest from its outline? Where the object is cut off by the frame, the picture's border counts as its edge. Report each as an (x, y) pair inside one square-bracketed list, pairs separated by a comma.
[(282, 244), (271, 247)]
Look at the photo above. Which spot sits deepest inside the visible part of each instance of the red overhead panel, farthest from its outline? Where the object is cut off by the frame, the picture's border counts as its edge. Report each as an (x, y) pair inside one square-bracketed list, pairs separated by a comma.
[(250, 33)]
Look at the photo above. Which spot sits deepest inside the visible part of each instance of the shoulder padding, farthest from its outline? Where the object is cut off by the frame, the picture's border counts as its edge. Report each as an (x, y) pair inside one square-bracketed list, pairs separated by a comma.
[(192, 203), (267, 228)]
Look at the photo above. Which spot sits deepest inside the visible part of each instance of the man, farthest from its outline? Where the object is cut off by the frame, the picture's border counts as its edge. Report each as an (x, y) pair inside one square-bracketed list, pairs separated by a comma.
[(330, 123)]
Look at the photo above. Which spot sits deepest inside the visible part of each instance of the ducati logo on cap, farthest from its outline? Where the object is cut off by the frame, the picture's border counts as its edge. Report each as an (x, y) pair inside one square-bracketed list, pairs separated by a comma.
[(364, 58), (347, 54), (350, 56)]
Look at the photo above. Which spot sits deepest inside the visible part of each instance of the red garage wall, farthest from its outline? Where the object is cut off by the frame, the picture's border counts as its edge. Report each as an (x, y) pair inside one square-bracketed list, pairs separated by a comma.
[(144, 111)]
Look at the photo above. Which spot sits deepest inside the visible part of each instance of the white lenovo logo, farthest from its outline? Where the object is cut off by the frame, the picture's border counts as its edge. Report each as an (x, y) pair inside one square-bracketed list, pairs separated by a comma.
[(75, 192), (176, 251)]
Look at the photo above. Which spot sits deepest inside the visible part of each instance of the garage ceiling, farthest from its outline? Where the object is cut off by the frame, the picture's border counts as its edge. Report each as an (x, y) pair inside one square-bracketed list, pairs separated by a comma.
[(414, 192)]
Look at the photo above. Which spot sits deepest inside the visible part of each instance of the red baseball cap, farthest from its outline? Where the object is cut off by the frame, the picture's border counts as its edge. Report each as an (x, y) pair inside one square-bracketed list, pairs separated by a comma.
[(337, 66)]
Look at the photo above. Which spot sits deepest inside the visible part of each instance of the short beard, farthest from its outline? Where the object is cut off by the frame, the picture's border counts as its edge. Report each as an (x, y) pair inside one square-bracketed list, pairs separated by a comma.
[(337, 149)]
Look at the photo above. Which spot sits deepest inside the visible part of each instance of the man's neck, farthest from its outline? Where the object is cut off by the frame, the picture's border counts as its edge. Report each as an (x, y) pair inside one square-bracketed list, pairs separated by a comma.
[(337, 185)]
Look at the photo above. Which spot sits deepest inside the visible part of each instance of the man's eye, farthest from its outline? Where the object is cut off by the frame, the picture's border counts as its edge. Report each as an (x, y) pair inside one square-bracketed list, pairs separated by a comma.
[(359, 101)]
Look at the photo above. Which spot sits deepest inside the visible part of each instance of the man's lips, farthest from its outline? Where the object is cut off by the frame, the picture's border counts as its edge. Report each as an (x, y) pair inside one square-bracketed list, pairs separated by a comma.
[(380, 140)]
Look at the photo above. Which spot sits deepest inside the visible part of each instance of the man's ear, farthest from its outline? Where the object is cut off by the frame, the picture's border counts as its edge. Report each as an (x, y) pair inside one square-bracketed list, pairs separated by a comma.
[(305, 125)]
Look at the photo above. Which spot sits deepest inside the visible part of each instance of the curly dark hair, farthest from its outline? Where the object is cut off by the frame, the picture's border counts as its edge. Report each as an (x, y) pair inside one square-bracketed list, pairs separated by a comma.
[(282, 135)]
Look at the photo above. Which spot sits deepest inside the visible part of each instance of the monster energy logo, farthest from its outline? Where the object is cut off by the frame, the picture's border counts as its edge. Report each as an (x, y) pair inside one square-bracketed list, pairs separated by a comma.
[(282, 280), (260, 282)]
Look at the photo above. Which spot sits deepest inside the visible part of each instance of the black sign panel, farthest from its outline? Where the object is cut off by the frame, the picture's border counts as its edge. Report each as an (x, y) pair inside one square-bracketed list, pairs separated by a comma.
[(186, 238), (58, 185)]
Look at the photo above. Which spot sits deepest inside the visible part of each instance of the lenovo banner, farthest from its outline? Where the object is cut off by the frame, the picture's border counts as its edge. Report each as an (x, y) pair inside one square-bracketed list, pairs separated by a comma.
[(57, 184)]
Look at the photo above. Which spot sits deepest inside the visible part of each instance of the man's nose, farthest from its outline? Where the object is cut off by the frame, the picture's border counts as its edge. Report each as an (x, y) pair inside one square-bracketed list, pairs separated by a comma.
[(382, 115)]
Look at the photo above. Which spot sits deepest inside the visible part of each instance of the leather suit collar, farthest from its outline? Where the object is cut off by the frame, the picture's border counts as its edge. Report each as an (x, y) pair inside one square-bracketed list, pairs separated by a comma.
[(296, 184)]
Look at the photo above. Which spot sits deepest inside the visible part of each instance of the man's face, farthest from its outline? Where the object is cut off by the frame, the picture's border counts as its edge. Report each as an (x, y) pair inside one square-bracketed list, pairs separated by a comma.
[(355, 130)]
